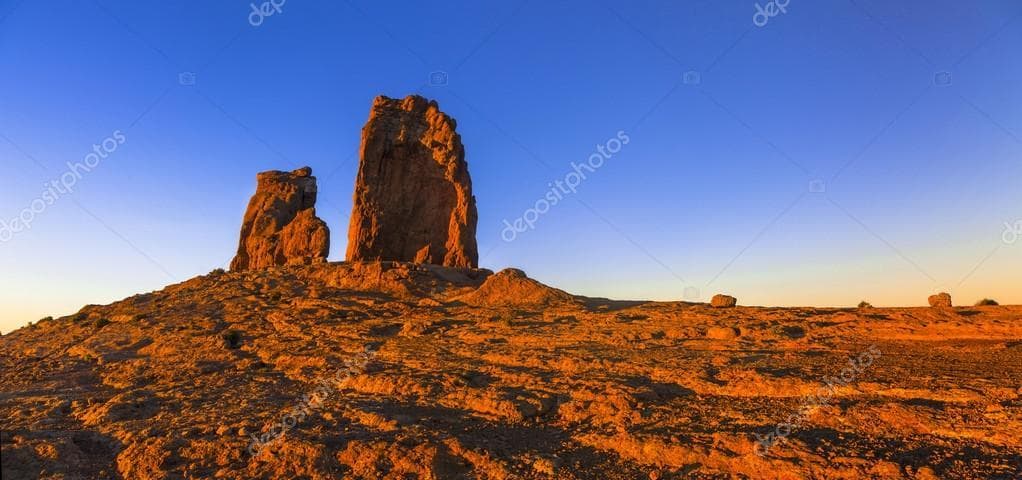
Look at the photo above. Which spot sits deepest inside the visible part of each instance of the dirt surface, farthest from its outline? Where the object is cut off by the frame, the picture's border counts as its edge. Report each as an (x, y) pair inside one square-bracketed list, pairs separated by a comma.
[(396, 371)]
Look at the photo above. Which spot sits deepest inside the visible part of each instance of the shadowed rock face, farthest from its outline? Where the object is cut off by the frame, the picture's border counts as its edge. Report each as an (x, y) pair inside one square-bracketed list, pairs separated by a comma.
[(413, 196), (280, 226)]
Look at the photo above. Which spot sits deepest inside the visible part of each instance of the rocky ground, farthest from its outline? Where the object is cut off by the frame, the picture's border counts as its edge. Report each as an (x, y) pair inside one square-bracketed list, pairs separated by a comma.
[(397, 371)]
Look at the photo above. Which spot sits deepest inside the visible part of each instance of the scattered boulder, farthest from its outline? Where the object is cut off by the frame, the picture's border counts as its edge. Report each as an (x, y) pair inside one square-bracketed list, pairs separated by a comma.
[(413, 195), (512, 287), (281, 226), (942, 299), (722, 333), (723, 301)]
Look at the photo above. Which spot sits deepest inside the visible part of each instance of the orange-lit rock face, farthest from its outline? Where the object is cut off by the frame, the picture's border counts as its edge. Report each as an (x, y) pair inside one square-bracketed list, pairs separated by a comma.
[(512, 287), (280, 226), (395, 370), (940, 300), (413, 195), (723, 301)]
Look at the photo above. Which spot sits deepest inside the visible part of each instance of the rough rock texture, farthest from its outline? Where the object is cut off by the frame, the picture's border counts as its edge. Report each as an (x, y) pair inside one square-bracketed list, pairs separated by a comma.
[(941, 299), (149, 388), (413, 196), (425, 284), (723, 301), (280, 226), (722, 333), (511, 287)]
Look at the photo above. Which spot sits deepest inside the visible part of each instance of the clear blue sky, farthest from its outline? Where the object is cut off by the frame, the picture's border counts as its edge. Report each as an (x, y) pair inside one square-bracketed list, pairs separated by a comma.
[(920, 171)]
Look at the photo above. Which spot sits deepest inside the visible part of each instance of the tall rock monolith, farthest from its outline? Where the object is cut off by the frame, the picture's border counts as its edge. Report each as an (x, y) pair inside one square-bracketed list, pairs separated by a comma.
[(413, 195)]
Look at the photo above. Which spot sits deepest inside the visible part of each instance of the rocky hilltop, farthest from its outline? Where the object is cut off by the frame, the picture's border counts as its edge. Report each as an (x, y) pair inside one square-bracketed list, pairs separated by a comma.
[(411, 363), (389, 370), (413, 195), (280, 226)]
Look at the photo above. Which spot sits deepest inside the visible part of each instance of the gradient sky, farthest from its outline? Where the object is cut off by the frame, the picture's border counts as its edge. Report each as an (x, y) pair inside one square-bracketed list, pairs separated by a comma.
[(921, 170)]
